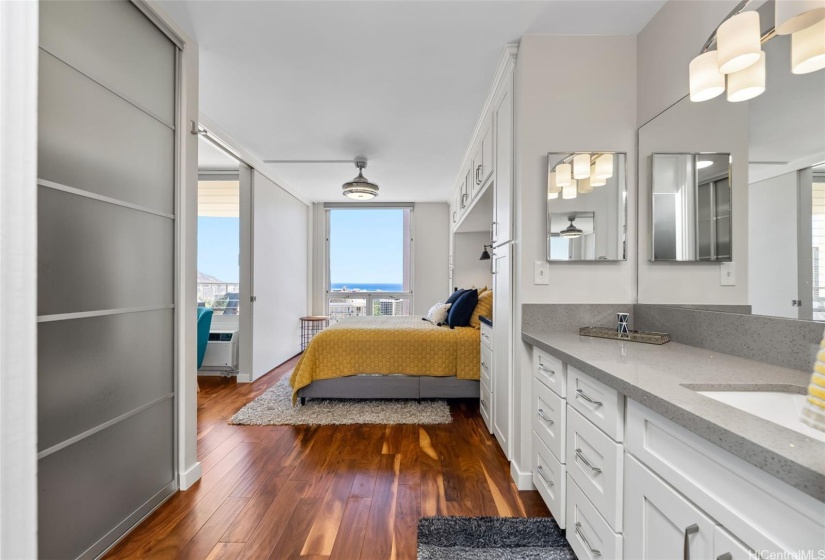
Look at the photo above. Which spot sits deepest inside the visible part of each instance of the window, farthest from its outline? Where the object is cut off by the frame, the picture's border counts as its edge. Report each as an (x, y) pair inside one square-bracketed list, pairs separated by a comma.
[(368, 262), (219, 246)]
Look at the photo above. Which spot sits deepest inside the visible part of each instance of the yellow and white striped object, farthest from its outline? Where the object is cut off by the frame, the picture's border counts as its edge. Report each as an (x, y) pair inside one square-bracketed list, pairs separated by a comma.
[(814, 412)]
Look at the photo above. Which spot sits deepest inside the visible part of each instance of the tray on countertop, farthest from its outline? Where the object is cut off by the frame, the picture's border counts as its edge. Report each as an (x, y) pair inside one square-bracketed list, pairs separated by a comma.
[(632, 336)]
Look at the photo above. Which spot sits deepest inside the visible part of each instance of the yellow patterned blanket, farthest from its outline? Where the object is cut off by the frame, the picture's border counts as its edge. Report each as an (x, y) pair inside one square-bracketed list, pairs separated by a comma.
[(388, 345)]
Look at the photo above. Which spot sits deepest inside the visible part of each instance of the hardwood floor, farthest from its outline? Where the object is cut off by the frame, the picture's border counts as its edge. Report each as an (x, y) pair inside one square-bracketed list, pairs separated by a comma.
[(316, 492)]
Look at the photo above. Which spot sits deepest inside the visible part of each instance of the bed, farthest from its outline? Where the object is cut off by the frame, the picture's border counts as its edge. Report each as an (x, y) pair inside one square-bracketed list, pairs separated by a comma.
[(389, 357)]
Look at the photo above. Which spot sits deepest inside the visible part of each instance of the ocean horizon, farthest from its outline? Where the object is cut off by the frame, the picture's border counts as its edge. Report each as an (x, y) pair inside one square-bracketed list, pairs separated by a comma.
[(366, 287)]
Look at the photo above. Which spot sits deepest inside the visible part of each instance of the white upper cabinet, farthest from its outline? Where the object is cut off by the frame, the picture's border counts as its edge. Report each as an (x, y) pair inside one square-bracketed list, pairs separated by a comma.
[(503, 131), (483, 161)]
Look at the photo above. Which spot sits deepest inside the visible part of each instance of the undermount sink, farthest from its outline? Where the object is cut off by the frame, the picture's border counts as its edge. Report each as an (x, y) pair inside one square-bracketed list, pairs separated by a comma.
[(777, 407)]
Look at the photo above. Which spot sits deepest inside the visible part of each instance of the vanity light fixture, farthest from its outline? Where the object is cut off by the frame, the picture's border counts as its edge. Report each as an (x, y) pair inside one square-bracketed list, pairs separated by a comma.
[(792, 16), (748, 83), (738, 42), (808, 49), (564, 174), (738, 49), (569, 191), (581, 166), (571, 231), (360, 188)]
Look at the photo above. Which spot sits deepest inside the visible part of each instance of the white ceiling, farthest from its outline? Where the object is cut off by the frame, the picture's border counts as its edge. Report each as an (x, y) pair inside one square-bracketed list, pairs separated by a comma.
[(401, 82), (212, 158)]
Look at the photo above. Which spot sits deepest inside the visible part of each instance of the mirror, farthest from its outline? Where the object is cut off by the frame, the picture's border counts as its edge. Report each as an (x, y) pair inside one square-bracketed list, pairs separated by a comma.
[(773, 262), (586, 206), (691, 207)]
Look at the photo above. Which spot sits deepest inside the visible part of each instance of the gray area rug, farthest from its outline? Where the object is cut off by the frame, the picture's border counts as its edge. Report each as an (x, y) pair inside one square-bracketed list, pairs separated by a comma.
[(274, 407), (491, 538)]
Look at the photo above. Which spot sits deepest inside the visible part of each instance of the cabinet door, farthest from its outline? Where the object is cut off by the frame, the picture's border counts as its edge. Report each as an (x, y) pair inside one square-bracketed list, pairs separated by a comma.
[(660, 523), (502, 347), (487, 159), (466, 195), (503, 149)]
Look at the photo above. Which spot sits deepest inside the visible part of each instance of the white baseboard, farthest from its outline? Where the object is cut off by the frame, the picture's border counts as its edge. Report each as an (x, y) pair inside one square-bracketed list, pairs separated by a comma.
[(190, 477), (244, 378), (523, 479)]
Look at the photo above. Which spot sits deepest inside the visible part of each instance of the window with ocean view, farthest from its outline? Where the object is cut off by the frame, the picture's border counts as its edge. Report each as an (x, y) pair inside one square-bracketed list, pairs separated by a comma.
[(368, 259)]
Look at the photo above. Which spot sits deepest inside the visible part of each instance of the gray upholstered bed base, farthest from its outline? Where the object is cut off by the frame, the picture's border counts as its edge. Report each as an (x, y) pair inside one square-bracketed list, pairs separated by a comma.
[(391, 387)]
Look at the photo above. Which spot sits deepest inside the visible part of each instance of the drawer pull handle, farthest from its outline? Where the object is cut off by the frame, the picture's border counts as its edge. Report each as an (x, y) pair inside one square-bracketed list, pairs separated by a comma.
[(692, 530), (483, 364), (545, 418), (484, 404), (584, 539), (545, 370), (544, 478), (584, 460), (725, 556), (582, 394)]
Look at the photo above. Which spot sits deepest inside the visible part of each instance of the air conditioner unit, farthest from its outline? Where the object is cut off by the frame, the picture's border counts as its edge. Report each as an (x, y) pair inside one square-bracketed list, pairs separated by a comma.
[(221, 352)]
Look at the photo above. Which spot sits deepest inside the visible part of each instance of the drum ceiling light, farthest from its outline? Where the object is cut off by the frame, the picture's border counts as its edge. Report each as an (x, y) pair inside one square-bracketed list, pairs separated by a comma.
[(738, 63)]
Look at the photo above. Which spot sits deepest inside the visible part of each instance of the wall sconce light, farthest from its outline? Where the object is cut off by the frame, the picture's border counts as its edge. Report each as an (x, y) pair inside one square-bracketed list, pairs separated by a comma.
[(485, 255)]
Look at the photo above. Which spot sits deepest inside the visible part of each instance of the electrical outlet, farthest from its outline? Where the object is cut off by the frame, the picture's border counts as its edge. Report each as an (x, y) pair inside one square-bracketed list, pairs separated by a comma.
[(728, 272), (541, 273)]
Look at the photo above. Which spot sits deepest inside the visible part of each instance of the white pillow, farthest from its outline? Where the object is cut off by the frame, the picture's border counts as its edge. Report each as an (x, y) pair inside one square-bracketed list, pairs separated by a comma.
[(438, 313)]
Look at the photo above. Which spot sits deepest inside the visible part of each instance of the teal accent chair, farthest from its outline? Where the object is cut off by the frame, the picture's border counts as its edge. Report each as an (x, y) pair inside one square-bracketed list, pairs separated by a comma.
[(204, 323)]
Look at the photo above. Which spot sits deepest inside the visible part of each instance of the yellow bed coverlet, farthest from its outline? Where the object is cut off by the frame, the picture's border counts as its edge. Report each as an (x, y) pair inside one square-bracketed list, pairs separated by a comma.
[(387, 345)]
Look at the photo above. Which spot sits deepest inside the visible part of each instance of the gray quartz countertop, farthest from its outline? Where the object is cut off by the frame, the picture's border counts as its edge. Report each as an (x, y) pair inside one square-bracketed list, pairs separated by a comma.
[(664, 379)]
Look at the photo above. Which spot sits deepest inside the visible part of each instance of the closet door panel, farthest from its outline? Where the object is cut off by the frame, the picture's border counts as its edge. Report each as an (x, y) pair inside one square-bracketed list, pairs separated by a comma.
[(91, 139), (93, 484), (120, 48), (93, 255), (126, 363)]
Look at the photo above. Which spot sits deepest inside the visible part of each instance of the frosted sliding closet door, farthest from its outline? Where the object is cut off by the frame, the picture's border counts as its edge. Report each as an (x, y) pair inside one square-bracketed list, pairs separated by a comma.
[(106, 252)]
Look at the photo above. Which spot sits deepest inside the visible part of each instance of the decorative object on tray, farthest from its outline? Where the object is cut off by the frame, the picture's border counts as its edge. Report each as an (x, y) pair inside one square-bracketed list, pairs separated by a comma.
[(274, 408), (504, 538), (622, 328), (632, 336)]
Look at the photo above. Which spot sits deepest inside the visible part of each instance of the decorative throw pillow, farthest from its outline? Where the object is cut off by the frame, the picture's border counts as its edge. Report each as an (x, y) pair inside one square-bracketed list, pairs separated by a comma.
[(455, 295), (462, 309), (437, 315), (483, 307)]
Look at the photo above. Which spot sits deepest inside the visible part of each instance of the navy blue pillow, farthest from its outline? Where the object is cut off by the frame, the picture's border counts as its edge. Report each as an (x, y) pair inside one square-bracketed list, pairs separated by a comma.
[(462, 309), (455, 295)]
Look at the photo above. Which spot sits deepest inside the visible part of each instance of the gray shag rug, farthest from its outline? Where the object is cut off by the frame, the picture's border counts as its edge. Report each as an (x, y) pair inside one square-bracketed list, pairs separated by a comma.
[(274, 407), (491, 538)]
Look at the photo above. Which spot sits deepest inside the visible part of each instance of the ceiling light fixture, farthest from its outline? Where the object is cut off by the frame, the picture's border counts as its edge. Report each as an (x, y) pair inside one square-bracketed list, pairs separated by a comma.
[(604, 166), (795, 15), (703, 163), (739, 55), (581, 166), (563, 174), (360, 188), (571, 231), (584, 186)]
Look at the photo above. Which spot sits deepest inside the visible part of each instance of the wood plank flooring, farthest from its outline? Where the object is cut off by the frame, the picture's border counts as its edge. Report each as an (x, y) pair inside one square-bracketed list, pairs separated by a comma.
[(318, 492)]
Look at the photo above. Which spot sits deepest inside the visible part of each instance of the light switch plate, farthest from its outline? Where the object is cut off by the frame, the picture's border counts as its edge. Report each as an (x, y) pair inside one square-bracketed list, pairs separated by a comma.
[(728, 271), (541, 273)]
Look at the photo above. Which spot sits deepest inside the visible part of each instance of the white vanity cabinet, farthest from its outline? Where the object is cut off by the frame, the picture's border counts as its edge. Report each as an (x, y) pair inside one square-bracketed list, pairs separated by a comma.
[(549, 423)]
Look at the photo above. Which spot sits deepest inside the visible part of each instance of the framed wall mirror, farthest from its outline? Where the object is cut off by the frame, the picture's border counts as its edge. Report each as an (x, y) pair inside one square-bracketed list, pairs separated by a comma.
[(774, 258), (690, 207), (586, 206)]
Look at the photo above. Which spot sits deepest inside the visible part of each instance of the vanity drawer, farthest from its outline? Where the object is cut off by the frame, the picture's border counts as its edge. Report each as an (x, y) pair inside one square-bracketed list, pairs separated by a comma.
[(485, 403), (487, 335), (728, 547), (550, 480), (587, 532), (549, 419), (597, 402), (549, 370), (486, 364), (596, 463)]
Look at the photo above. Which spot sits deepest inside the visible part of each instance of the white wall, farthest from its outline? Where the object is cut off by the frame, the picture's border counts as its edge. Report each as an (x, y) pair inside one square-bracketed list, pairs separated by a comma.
[(772, 234), (467, 269), (280, 251), (431, 255), (712, 126), (666, 46), (592, 108)]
